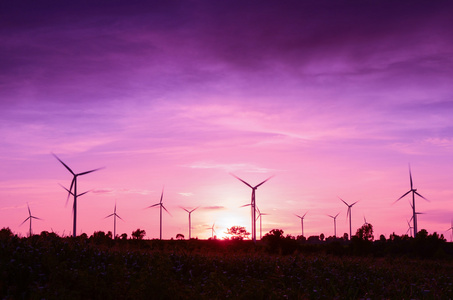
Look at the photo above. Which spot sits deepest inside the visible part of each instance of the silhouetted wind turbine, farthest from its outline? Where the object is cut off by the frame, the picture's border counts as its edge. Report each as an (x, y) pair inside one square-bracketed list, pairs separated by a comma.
[(451, 228), (29, 218), (334, 224), (190, 222), (414, 192), (161, 205), (114, 215), (212, 230), (74, 193), (410, 228), (253, 204), (302, 221), (349, 213), (260, 214), (365, 222)]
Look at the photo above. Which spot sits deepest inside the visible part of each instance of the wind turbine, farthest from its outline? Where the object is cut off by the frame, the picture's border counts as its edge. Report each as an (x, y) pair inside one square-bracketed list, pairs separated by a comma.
[(74, 193), (334, 224), (414, 192), (114, 215), (260, 214), (212, 230), (29, 218), (253, 204), (161, 206), (451, 228), (190, 222), (302, 221), (410, 228), (365, 222), (349, 213)]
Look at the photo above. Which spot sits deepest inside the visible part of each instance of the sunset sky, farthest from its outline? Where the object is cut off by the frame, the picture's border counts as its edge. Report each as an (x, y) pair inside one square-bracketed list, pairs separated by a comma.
[(334, 98)]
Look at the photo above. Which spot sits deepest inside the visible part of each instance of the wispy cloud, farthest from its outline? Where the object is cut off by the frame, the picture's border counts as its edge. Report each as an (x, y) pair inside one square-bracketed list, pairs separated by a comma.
[(245, 167)]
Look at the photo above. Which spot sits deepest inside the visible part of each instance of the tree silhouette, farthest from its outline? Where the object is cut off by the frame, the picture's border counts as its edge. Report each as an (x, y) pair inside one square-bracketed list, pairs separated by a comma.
[(138, 234), (365, 232), (237, 232)]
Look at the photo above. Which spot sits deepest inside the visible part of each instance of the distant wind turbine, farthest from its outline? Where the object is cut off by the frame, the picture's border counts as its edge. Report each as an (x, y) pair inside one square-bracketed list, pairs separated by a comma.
[(29, 218), (74, 193), (302, 221), (161, 205), (334, 224), (451, 228), (364, 221), (260, 214), (414, 192), (349, 214), (114, 215), (253, 204), (212, 230), (410, 228), (190, 221)]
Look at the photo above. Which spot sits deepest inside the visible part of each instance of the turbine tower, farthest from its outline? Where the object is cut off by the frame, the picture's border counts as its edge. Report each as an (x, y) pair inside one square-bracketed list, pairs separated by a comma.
[(114, 215), (334, 224), (302, 222), (349, 214), (161, 205), (253, 204), (190, 221), (29, 218), (74, 193), (414, 192)]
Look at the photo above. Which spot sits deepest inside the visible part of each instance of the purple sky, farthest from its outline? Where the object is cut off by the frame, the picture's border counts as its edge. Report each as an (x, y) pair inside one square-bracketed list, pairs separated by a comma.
[(334, 98)]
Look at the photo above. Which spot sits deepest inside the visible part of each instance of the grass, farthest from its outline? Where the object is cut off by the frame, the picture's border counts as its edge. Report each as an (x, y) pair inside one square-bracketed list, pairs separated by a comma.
[(53, 267)]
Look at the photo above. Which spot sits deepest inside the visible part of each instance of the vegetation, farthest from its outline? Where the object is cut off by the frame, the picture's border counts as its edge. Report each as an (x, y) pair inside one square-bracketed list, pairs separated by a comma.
[(98, 267)]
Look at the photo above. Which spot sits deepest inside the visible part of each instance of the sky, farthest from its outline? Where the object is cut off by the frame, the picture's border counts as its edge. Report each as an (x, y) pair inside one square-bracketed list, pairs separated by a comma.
[(333, 98)]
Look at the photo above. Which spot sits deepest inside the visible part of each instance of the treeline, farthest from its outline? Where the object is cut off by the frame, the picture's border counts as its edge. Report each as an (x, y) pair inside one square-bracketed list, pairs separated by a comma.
[(424, 245)]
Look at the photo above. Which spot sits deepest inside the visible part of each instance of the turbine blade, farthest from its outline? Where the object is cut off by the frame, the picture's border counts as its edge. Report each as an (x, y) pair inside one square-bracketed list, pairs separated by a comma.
[(35, 218), (152, 205), (337, 215), (194, 209), (29, 212), (304, 215), (410, 176), (166, 210), (120, 218), (109, 216), (69, 192), (421, 196), (69, 169), (245, 205), (256, 186), (24, 221), (354, 203), (185, 209), (298, 216), (82, 193), (241, 180), (343, 201), (91, 171), (402, 197), (162, 195)]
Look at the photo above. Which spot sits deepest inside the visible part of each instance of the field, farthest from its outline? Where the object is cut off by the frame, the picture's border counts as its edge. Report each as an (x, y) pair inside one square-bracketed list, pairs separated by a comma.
[(51, 267)]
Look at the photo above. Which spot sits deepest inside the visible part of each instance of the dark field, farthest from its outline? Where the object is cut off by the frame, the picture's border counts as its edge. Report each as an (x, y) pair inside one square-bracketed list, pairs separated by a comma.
[(49, 267)]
